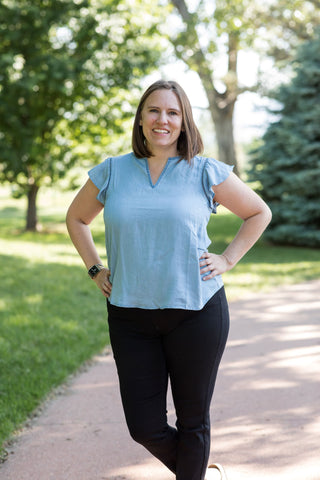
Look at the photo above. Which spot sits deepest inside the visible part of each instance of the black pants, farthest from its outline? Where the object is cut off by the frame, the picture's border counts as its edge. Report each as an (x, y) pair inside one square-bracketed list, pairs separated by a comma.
[(150, 346)]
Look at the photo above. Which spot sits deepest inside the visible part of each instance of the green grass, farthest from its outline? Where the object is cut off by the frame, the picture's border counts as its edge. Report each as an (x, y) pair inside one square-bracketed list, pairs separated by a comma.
[(53, 318)]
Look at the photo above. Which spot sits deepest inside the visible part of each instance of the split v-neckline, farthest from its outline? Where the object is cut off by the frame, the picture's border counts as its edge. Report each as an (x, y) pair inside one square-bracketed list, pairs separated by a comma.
[(161, 175)]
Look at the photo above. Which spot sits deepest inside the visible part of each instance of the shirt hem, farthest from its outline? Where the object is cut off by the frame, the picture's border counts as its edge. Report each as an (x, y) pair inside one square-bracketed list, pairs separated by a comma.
[(170, 306)]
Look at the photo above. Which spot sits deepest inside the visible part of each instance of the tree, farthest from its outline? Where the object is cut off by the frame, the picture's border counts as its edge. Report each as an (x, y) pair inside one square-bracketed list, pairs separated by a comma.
[(213, 30), (68, 72), (287, 164), (188, 48)]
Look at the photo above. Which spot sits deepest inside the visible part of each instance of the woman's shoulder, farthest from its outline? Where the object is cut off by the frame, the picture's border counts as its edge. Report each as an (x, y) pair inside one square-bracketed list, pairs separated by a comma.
[(124, 157), (214, 170), (210, 166), (119, 159), (205, 161), (104, 167)]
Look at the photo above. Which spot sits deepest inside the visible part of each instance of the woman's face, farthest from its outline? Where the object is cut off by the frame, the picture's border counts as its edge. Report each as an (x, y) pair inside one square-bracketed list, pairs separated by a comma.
[(161, 121)]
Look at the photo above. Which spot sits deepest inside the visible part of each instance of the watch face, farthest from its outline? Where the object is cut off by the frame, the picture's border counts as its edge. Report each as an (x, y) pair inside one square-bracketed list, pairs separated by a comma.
[(94, 270)]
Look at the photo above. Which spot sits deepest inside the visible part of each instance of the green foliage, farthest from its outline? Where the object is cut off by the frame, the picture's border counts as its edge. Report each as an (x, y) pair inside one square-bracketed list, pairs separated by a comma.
[(69, 74), (287, 164), (274, 28), (283, 25)]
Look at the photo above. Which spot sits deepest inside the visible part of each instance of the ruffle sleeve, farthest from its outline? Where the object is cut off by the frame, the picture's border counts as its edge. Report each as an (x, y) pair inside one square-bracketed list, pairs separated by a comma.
[(100, 176), (214, 173)]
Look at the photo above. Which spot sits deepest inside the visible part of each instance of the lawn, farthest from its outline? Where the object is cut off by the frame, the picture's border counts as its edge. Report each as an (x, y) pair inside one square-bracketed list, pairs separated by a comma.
[(53, 318)]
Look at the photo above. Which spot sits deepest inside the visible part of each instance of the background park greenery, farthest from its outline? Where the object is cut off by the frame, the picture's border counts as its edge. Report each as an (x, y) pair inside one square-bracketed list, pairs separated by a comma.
[(71, 73), (287, 162)]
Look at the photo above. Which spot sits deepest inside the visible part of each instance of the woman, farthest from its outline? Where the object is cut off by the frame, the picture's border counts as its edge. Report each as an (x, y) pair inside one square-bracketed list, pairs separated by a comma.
[(167, 310)]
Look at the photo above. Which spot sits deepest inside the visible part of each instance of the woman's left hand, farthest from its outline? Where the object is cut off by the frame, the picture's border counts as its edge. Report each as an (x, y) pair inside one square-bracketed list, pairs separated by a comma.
[(214, 264)]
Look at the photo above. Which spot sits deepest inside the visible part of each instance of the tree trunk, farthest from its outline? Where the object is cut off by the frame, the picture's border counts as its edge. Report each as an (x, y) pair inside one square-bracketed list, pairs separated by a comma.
[(223, 122), (32, 220), (221, 108), (221, 105)]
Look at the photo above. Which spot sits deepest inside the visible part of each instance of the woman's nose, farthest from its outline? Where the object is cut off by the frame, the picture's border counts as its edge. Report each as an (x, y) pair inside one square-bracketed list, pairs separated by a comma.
[(163, 117)]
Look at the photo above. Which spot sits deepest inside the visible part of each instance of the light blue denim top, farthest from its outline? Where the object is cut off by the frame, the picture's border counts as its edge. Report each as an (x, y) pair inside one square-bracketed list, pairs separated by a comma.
[(155, 234)]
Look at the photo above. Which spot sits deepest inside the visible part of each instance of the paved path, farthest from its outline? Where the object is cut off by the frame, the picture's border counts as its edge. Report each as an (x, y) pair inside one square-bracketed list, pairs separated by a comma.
[(265, 411)]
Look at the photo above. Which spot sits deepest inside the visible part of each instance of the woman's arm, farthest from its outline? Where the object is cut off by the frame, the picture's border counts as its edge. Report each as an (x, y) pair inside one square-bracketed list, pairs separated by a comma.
[(84, 208), (237, 197)]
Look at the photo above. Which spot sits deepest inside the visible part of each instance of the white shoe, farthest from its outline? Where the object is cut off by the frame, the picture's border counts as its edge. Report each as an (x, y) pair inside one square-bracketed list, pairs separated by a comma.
[(215, 472)]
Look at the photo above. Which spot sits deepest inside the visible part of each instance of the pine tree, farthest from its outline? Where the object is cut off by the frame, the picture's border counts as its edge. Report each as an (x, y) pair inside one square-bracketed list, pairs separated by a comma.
[(287, 164)]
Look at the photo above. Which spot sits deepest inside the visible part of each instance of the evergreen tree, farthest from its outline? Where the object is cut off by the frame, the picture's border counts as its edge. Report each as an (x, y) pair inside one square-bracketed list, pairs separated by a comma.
[(287, 164)]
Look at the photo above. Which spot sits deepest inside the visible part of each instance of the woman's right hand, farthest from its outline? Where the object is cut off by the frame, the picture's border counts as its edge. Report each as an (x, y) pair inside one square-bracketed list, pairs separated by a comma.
[(103, 283)]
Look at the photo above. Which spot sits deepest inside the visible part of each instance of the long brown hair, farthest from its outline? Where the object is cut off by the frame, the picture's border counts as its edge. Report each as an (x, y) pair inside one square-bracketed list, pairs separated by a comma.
[(189, 142)]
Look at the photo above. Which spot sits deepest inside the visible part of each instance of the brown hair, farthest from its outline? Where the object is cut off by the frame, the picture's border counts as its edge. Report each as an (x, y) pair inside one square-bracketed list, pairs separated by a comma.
[(189, 142)]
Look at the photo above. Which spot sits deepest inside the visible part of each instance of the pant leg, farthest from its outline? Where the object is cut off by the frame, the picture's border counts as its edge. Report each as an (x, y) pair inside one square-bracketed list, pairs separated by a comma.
[(193, 351), (138, 351)]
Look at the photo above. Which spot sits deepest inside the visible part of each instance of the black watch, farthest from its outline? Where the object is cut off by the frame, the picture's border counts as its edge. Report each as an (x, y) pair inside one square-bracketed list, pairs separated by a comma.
[(95, 269)]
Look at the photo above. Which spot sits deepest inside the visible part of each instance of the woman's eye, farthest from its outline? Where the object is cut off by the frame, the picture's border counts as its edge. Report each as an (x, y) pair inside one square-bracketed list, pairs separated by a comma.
[(155, 110)]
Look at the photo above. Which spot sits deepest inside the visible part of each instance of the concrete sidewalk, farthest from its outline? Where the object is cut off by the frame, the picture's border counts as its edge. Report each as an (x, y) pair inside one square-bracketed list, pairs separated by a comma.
[(265, 410)]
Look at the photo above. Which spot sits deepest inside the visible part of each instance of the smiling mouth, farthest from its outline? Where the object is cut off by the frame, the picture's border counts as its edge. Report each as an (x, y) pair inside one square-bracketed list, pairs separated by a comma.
[(160, 130)]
